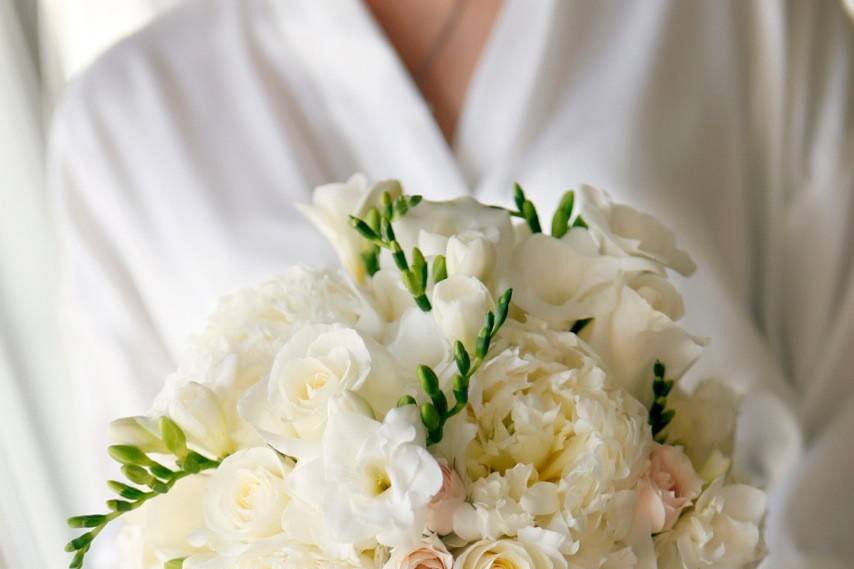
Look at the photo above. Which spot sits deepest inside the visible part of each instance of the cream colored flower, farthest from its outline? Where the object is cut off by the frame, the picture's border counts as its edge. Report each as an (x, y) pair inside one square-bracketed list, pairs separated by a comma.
[(197, 410), (630, 335), (669, 487), (625, 231), (444, 505), (721, 531), (429, 554), (558, 282), (289, 407), (508, 554), (246, 496)]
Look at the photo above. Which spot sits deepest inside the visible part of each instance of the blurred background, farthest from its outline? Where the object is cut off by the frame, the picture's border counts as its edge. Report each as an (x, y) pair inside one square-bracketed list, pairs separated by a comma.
[(43, 45)]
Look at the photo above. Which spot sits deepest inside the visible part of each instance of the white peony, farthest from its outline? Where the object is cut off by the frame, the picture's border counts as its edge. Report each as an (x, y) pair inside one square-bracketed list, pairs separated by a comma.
[(541, 400), (375, 480), (246, 496), (721, 531), (508, 554), (459, 306), (319, 363), (558, 281), (630, 335), (503, 504), (624, 231)]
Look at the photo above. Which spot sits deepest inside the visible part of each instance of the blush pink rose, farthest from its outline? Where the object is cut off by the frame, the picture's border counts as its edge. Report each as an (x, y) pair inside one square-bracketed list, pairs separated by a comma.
[(425, 556), (446, 502), (670, 485)]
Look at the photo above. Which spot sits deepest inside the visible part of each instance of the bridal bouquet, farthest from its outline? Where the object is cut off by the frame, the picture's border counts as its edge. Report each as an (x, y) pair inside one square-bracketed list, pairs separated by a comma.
[(470, 393)]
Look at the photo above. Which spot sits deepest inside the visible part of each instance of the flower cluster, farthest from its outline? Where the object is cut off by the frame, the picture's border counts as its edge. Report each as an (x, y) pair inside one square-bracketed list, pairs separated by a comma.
[(469, 393)]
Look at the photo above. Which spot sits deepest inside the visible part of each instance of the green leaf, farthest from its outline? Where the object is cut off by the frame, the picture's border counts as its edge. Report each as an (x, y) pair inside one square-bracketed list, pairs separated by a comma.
[(428, 380), (518, 196), (423, 303), (88, 521), (462, 358), (174, 563), (371, 260), (440, 269), (372, 218), (430, 417), (579, 222), (502, 309), (174, 437), (580, 325), (530, 214), (560, 221), (419, 268)]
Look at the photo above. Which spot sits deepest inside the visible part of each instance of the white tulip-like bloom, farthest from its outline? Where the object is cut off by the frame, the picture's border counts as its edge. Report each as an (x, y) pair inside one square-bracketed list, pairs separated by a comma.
[(246, 496), (508, 554), (319, 363), (626, 231), (473, 254), (721, 531), (375, 480), (459, 304)]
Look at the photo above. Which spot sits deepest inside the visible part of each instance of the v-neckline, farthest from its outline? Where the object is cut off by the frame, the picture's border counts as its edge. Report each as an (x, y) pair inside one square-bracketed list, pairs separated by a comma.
[(368, 89)]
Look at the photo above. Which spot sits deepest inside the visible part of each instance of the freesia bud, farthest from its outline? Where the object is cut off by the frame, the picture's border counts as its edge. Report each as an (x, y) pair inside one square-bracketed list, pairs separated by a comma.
[(139, 432), (459, 305)]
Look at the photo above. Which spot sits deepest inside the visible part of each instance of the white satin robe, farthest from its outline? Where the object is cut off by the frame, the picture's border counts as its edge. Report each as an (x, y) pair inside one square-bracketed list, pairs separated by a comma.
[(177, 159)]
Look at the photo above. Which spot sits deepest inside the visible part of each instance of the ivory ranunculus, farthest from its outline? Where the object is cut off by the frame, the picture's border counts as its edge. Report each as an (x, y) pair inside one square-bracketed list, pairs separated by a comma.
[(626, 231), (246, 496), (721, 531), (375, 480), (289, 407), (668, 488), (197, 410), (554, 281), (507, 554), (459, 305), (429, 554)]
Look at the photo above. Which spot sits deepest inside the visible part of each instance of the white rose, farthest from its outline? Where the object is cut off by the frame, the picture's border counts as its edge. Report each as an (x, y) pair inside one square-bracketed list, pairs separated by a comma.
[(429, 554), (722, 530), (375, 480), (473, 254), (331, 207), (659, 293), (626, 231), (246, 496), (197, 410), (289, 407), (667, 489), (459, 306), (507, 554), (556, 281), (630, 335), (237, 347)]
